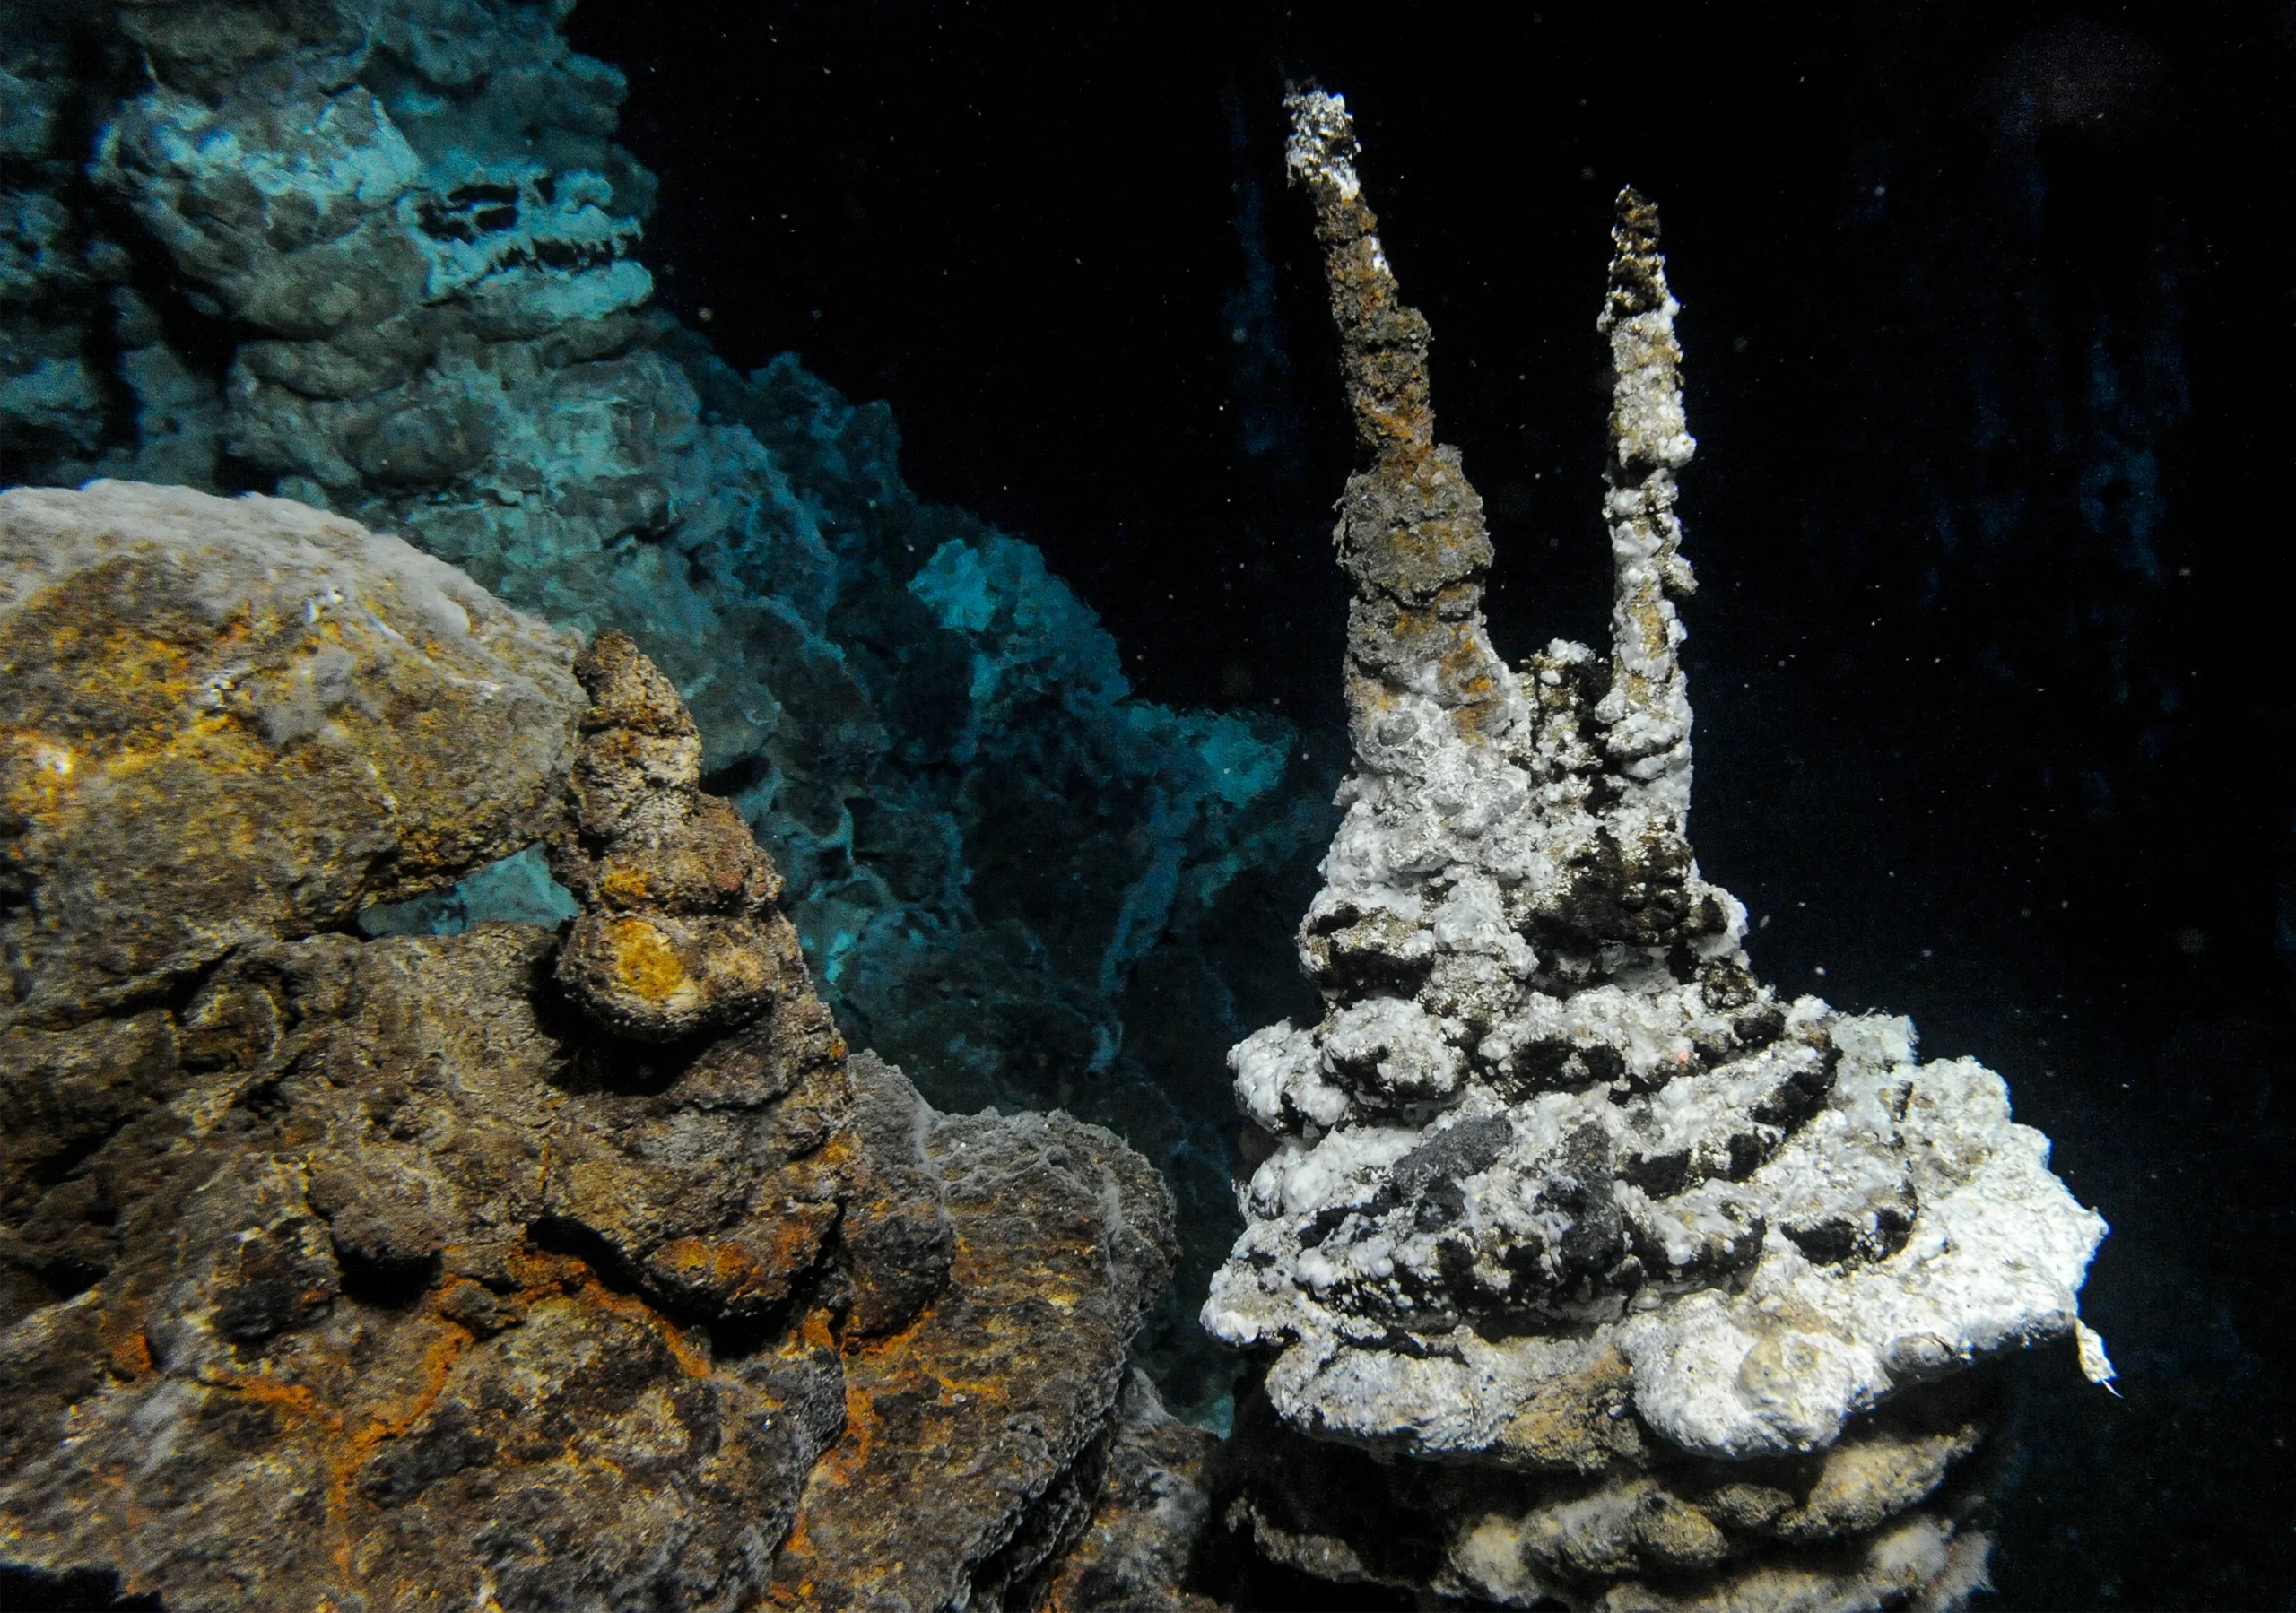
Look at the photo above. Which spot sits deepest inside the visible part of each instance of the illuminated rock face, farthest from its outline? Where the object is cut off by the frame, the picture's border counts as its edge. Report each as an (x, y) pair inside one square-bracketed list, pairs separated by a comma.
[(1560, 1203), (270, 714), (530, 1267)]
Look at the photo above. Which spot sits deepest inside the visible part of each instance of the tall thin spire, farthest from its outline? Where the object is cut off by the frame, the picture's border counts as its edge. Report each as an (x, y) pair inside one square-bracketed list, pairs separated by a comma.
[(1411, 534), (1647, 715)]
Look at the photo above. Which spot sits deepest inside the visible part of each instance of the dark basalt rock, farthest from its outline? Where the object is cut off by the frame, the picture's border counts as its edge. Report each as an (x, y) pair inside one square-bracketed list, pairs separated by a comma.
[(1136, 1556)]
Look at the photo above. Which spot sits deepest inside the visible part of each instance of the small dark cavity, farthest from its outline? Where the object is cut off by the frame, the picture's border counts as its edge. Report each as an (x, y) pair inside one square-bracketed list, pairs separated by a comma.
[(72, 1590), (386, 1285)]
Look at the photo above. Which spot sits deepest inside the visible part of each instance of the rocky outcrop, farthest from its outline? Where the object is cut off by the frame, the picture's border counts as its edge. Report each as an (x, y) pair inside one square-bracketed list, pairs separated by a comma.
[(424, 1269), (269, 714), (386, 260), (1645, 1286), (382, 1266), (976, 1438), (1137, 1554)]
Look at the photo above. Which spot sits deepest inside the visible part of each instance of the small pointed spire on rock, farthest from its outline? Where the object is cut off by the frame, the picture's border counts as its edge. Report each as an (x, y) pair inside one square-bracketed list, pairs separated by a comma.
[(1647, 715), (680, 932)]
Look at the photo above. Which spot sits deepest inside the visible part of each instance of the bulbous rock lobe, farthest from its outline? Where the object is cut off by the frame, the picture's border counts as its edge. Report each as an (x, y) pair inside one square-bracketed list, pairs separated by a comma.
[(228, 718)]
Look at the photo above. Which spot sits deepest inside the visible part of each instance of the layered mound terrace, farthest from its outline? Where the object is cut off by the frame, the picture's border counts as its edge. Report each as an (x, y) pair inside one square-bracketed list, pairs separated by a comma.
[(1648, 1276)]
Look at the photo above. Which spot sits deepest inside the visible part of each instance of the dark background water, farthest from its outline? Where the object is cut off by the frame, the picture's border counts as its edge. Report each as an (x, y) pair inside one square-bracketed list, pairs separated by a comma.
[(1989, 322)]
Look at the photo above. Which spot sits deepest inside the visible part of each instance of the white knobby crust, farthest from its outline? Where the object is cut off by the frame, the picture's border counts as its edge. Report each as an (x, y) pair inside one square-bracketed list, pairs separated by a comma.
[(1549, 1111)]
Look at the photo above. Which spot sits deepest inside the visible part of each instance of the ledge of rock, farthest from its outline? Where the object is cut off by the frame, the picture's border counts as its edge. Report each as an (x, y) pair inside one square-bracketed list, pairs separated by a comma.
[(977, 1437), (1136, 1556), (232, 718), (479, 1269)]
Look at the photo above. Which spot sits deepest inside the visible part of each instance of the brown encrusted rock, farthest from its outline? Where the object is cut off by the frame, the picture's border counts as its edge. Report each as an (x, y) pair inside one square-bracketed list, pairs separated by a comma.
[(363, 1273), (1136, 1555), (63, 1092), (1411, 531), (488, 1306), (680, 936), (975, 1439), (406, 1300), (898, 1238), (223, 719)]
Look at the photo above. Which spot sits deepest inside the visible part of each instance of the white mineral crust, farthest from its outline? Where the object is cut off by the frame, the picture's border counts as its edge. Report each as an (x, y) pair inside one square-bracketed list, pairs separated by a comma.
[(1549, 1117), (1994, 1253)]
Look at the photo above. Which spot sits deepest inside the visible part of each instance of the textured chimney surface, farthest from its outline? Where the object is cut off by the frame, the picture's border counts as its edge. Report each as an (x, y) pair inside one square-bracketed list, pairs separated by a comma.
[(1557, 1191)]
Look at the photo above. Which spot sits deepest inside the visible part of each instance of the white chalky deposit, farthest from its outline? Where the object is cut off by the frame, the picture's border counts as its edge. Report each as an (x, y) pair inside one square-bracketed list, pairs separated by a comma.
[(1552, 1155)]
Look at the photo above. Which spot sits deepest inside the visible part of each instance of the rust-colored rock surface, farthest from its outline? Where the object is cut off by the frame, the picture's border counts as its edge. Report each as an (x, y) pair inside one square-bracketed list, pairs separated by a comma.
[(975, 1440), (426, 1271), (225, 718), (681, 935), (375, 1312)]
